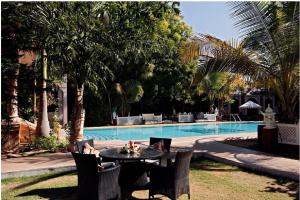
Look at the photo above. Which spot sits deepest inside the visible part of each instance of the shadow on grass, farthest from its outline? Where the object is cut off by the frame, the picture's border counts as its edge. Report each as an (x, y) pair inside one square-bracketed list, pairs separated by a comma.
[(277, 185), (211, 168), (64, 193), (284, 186), (43, 178), (208, 165)]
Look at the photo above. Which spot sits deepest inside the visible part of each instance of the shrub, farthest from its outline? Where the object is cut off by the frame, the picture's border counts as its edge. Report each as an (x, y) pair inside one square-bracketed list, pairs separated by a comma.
[(49, 143)]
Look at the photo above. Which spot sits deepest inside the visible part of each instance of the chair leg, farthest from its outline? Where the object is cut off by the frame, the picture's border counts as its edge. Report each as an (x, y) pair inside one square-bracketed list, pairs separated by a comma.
[(151, 196), (189, 196)]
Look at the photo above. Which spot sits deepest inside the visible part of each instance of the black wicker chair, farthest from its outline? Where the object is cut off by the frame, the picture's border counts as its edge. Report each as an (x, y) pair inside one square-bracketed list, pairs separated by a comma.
[(171, 181), (166, 147), (80, 144), (165, 141), (95, 184)]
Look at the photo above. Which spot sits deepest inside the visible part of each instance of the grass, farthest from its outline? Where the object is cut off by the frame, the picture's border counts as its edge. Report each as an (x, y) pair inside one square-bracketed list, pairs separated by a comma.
[(208, 180)]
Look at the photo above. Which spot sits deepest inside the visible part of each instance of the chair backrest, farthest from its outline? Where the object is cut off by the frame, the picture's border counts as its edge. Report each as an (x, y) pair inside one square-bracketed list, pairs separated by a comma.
[(80, 144), (86, 164), (87, 169), (182, 163), (166, 143), (90, 180)]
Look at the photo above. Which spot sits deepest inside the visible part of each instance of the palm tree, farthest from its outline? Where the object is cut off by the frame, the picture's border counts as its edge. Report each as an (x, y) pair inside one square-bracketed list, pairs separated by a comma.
[(216, 86), (43, 126), (130, 92), (13, 38), (43, 22), (269, 50), (271, 34), (82, 54)]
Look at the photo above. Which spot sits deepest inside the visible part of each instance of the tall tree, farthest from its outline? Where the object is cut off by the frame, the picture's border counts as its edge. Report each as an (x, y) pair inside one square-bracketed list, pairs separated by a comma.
[(82, 53), (43, 22), (271, 34), (13, 38), (43, 126)]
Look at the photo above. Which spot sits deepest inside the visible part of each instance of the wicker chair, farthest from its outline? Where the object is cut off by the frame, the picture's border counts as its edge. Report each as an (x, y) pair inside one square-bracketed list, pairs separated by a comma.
[(166, 146), (165, 141), (94, 184), (80, 144), (171, 181)]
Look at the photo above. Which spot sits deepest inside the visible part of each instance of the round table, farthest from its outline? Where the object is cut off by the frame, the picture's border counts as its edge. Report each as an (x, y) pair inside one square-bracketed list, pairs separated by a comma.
[(133, 174), (116, 154)]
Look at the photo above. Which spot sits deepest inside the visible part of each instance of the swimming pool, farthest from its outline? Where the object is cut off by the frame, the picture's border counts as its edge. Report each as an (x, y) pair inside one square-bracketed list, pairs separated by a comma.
[(172, 131)]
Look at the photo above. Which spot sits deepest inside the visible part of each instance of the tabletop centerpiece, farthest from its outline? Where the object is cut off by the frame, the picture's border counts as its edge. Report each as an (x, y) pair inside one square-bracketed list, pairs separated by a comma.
[(131, 148)]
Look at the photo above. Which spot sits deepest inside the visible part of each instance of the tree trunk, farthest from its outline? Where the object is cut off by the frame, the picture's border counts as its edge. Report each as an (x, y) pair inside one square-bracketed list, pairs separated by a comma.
[(43, 127), (110, 110), (34, 110), (222, 108), (288, 98), (288, 115), (12, 105), (78, 115)]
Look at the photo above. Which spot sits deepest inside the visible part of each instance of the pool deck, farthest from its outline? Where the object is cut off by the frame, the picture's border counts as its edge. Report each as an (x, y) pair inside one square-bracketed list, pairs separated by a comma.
[(207, 146)]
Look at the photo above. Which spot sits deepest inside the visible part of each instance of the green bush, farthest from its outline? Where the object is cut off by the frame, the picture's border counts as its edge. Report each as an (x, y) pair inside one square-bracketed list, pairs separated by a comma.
[(49, 143)]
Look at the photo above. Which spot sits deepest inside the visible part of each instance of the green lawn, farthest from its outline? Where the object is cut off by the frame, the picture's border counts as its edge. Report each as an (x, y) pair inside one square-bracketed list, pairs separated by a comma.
[(209, 180)]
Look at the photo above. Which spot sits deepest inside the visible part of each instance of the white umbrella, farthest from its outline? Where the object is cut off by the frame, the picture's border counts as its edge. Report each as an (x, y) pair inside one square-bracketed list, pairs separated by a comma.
[(250, 105)]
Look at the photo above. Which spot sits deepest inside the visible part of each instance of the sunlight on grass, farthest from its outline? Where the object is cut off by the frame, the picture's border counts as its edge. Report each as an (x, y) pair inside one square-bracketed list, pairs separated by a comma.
[(208, 180)]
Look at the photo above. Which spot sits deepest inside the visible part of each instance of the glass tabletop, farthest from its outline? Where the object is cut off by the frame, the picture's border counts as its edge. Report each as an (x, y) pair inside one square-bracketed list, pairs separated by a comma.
[(117, 154)]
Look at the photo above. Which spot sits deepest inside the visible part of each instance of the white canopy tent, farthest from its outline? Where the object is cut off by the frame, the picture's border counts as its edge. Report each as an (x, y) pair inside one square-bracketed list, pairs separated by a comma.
[(250, 105)]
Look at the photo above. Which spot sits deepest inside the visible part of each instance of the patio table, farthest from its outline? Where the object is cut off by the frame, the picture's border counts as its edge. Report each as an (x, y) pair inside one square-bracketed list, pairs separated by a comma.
[(116, 154), (133, 175)]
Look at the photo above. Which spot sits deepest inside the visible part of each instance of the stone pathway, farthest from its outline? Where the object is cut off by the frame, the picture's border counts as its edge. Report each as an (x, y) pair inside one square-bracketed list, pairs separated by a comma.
[(207, 146), (250, 159)]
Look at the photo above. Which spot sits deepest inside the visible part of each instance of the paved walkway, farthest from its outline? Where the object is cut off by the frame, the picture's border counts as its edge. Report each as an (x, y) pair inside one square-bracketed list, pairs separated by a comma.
[(207, 146)]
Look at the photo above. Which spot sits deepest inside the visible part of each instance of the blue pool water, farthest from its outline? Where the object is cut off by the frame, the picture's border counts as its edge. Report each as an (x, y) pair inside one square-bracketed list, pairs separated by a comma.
[(144, 133)]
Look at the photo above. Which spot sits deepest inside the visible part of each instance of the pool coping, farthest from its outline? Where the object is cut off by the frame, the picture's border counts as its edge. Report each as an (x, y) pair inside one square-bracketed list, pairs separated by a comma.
[(174, 124)]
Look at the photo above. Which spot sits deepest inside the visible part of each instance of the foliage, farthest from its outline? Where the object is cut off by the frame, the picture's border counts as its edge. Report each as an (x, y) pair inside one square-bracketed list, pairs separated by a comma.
[(239, 83), (101, 45), (56, 127), (190, 50), (268, 53), (144, 44), (272, 43), (216, 86), (134, 91), (80, 44), (49, 143), (13, 38)]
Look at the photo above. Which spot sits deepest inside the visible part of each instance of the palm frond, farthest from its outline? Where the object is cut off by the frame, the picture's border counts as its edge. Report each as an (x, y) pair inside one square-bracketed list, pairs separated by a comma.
[(228, 56)]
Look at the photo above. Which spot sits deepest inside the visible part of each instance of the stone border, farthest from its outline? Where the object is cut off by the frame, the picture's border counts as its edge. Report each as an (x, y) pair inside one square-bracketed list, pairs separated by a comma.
[(34, 172)]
